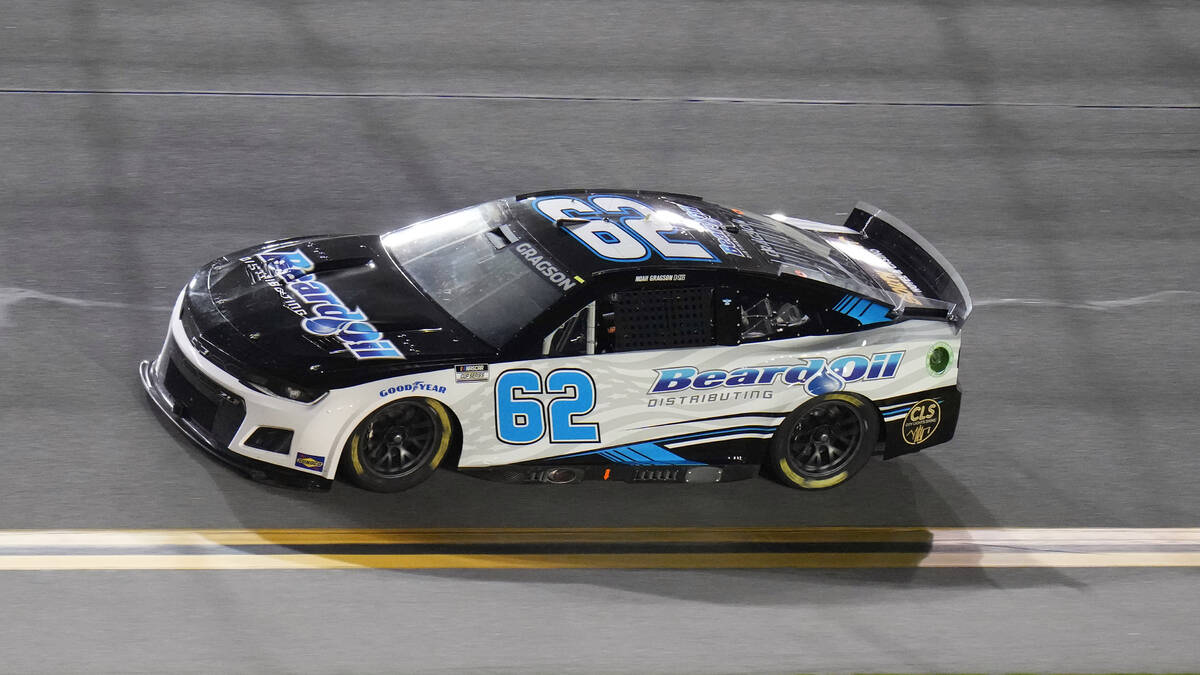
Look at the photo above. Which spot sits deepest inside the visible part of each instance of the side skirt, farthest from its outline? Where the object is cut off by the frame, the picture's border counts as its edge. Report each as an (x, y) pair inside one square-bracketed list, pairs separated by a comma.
[(576, 473)]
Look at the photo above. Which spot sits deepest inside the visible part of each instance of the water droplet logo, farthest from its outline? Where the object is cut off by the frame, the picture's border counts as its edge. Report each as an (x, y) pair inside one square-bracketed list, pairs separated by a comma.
[(824, 382)]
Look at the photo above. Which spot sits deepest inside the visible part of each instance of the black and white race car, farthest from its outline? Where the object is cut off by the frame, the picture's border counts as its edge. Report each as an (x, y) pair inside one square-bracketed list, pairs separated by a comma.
[(569, 335)]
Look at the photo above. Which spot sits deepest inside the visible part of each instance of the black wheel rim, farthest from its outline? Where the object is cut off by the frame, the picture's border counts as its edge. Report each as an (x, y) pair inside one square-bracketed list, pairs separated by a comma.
[(399, 439), (825, 439)]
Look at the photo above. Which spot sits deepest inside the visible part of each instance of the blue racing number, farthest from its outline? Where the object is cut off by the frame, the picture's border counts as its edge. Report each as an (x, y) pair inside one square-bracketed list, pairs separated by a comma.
[(579, 398), (623, 229), (521, 417)]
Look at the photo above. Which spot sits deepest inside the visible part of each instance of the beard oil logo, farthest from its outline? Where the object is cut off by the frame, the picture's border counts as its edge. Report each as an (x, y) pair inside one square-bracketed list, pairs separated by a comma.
[(330, 316), (824, 382), (921, 422), (817, 375)]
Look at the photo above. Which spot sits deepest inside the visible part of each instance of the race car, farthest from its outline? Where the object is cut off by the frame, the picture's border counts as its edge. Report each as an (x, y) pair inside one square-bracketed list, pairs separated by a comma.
[(553, 337)]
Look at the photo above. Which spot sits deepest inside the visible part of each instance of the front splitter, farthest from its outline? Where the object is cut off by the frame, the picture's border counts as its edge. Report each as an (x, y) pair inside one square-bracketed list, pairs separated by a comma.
[(262, 472)]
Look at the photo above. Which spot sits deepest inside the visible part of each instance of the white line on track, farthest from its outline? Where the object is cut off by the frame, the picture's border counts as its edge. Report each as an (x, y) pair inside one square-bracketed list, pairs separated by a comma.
[(516, 96), (10, 296), (1188, 297)]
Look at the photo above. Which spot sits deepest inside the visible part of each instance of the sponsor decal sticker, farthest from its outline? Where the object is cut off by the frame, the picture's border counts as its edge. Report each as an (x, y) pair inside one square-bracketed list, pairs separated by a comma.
[(817, 375), (541, 262), (330, 316), (896, 280), (412, 386), (472, 372), (716, 228), (259, 273), (696, 399), (311, 462), (938, 361), (758, 239), (921, 422)]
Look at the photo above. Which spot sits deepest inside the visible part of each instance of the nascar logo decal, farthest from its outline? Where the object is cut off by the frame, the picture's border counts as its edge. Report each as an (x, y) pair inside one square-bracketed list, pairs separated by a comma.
[(333, 317), (817, 375)]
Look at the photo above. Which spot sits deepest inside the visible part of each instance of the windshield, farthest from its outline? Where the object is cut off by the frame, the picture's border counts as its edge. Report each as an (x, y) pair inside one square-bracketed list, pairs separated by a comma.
[(468, 263)]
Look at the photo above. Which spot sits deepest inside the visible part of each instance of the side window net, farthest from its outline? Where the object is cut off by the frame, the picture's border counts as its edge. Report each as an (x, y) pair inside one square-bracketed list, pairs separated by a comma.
[(662, 318), (636, 320)]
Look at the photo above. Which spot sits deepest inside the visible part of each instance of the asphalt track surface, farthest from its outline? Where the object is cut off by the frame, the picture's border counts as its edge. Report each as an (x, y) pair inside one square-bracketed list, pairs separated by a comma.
[(1051, 150)]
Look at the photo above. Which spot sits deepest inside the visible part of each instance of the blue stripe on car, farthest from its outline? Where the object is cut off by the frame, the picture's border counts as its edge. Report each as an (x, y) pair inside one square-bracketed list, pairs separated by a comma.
[(864, 311), (652, 453)]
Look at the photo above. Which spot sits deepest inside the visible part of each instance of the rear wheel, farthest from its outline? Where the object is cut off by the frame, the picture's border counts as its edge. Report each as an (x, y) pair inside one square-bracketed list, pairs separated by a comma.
[(824, 442), (399, 445)]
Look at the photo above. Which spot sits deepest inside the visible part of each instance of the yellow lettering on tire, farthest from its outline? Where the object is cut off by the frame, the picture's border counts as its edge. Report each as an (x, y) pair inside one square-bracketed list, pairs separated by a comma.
[(446, 430), (857, 403), (808, 483), (358, 468), (827, 482)]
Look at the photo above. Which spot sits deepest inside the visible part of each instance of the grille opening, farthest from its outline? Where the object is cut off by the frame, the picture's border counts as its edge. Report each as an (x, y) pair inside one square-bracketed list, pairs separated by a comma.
[(189, 401), (271, 439), (217, 413)]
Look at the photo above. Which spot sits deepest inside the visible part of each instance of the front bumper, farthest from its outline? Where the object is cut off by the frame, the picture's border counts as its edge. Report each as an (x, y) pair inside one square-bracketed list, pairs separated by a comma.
[(254, 469), (218, 413)]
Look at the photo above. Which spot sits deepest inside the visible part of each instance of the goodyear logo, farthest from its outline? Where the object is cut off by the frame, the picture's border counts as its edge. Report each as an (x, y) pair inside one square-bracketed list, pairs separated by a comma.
[(311, 462), (412, 386), (816, 375)]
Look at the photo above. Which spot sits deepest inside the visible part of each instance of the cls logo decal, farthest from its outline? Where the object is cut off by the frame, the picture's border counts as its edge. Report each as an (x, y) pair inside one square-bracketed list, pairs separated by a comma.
[(623, 229), (921, 422)]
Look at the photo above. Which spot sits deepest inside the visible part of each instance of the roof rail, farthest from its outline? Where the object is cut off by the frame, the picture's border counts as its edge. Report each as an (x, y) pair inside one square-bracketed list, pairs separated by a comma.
[(546, 193)]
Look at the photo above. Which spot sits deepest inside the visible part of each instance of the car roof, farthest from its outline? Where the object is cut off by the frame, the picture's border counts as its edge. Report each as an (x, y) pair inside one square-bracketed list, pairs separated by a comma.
[(737, 239), (741, 241)]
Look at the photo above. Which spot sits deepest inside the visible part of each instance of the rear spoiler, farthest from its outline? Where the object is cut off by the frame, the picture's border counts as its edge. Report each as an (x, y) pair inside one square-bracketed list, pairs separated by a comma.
[(917, 261)]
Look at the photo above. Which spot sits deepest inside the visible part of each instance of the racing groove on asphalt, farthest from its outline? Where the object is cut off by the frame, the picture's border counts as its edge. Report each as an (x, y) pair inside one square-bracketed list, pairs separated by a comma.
[(1074, 416), (598, 548)]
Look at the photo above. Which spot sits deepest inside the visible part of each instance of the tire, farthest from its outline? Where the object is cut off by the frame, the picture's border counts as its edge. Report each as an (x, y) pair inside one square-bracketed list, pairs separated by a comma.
[(398, 446), (824, 442)]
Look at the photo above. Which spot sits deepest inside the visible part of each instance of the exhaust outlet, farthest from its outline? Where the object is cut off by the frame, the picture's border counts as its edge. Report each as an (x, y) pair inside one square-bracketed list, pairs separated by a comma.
[(562, 476)]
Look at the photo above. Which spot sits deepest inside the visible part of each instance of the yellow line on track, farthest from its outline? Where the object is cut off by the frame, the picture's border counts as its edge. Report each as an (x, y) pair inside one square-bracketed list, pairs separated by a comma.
[(593, 561), (107, 538), (1036, 537)]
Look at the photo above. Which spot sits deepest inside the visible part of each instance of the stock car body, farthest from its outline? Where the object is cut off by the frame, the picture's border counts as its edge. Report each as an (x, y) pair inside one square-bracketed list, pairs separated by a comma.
[(568, 335)]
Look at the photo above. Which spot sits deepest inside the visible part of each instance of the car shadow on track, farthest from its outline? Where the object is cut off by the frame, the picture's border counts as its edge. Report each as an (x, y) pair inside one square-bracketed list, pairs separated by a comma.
[(912, 492)]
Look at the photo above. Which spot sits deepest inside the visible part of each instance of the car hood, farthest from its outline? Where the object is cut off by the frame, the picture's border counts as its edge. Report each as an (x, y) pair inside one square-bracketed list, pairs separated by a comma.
[(322, 308)]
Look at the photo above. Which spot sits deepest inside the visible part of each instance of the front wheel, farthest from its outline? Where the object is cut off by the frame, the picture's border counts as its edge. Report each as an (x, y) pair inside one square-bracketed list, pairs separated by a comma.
[(824, 442), (399, 445)]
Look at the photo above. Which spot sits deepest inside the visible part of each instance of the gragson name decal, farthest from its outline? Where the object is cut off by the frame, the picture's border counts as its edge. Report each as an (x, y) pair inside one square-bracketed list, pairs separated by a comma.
[(330, 315), (547, 269)]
